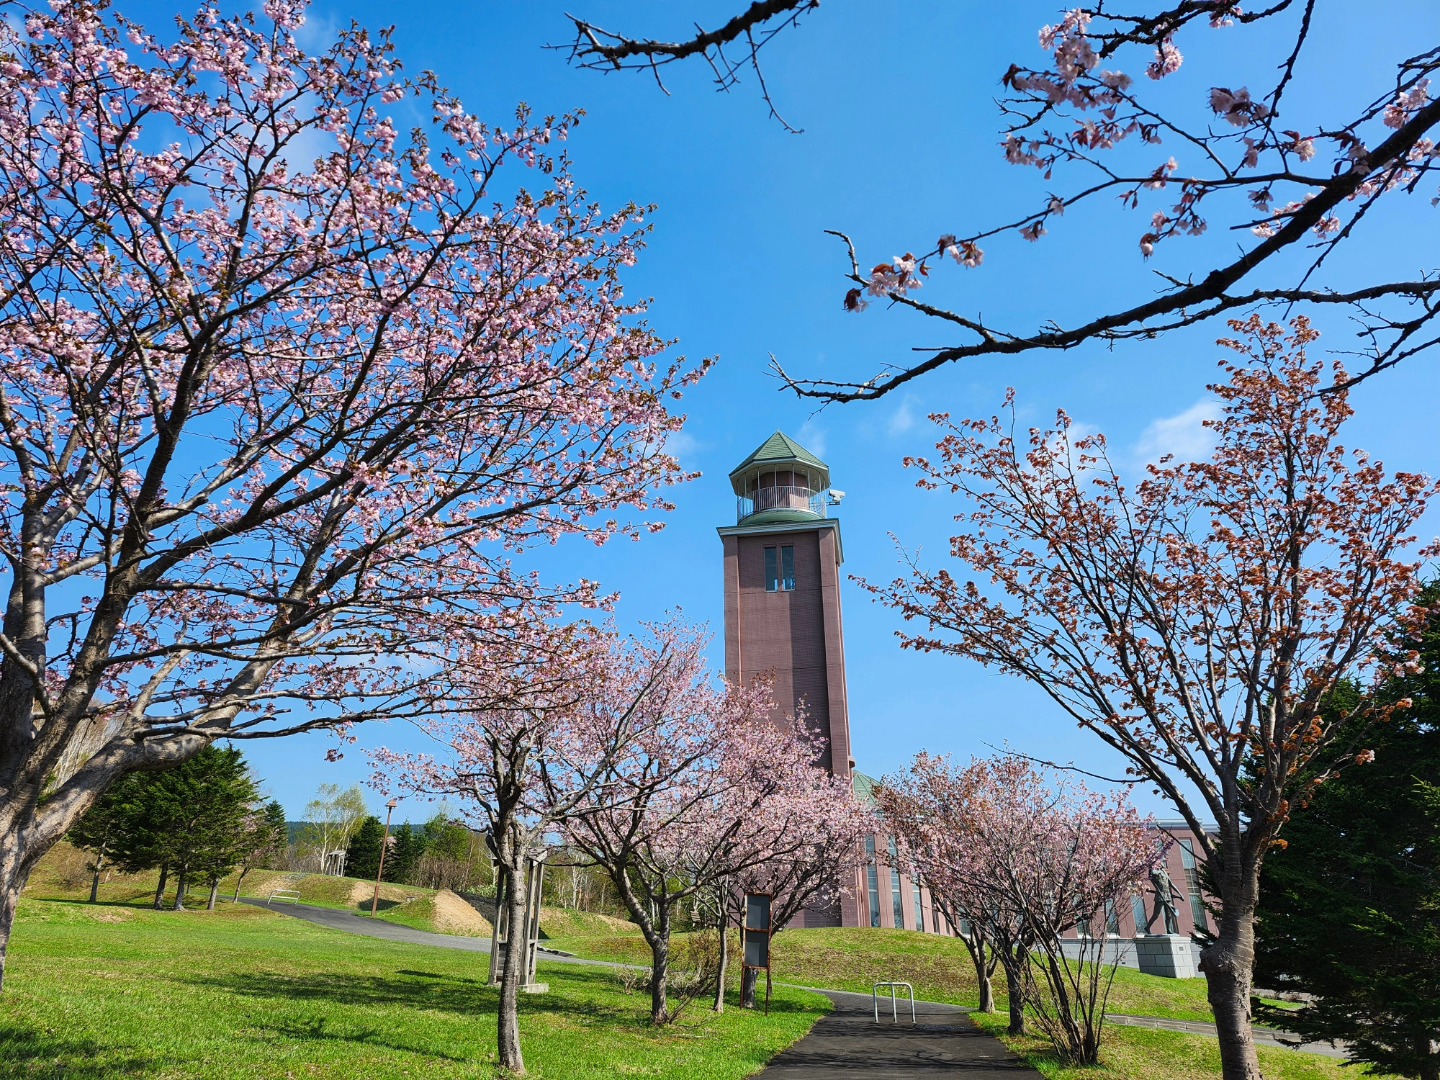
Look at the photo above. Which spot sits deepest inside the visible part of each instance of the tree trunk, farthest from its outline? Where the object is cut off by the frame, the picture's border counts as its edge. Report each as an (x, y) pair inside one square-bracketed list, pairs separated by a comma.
[(724, 960), (160, 888), (516, 964), (1228, 964), (214, 889), (180, 889), (243, 871), (14, 873), (660, 968), (1426, 1051), (749, 980), (976, 949), (95, 887), (1015, 991)]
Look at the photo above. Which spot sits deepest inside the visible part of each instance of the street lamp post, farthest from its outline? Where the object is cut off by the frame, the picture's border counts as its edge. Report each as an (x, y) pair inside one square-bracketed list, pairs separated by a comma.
[(389, 810)]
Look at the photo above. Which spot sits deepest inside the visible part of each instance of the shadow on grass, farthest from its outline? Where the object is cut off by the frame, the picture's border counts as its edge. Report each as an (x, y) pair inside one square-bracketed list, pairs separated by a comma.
[(579, 994), (32, 1055), (319, 1029), (363, 907)]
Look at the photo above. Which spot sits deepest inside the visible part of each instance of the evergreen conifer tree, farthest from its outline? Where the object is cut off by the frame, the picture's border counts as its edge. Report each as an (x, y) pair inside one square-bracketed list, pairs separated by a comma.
[(362, 857), (1351, 907)]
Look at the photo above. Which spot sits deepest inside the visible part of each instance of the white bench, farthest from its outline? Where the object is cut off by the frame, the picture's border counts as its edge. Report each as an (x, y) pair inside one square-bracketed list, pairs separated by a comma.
[(289, 895)]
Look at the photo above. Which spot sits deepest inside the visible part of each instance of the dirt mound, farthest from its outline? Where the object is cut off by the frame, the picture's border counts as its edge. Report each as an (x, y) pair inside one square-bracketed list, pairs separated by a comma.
[(566, 922), (454, 916), (363, 892)]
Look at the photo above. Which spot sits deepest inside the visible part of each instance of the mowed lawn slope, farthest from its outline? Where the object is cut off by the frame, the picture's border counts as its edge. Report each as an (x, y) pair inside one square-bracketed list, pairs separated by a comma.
[(95, 992), (939, 968)]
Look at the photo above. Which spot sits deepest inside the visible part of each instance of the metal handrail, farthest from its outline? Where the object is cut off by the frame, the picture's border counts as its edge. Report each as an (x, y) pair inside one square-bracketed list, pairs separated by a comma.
[(283, 894), (894, 1008)]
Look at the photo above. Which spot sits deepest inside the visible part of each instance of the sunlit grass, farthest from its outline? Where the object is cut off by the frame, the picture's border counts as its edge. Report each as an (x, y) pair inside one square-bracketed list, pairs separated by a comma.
[(102, 991)]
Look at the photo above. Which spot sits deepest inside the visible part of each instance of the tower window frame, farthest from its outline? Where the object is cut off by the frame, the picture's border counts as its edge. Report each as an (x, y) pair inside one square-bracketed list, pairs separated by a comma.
[(780, 568)]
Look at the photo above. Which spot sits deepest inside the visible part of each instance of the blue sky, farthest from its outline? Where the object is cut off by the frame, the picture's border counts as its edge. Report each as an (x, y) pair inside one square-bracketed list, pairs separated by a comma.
[(899, 146)]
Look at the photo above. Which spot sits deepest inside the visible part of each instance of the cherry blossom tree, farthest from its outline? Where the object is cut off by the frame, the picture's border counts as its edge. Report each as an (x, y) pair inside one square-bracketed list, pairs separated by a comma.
[(284, 391), (1022, 856), (813, 829), (710, 791), (1196, 622), (524, 743), (1248, 152), (926, 809)]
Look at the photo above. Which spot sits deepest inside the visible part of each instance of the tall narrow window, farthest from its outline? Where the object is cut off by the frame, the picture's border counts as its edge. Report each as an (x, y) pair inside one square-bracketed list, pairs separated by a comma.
[(1112, 918), (895, 893), (1192, 883), (919, 909), (780, 569), (1137, 909), (872, 874)]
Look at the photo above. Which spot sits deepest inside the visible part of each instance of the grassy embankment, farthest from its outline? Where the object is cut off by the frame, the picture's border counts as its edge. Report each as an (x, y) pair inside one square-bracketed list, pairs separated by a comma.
[(939, 968), (110, 990), (62, 875)]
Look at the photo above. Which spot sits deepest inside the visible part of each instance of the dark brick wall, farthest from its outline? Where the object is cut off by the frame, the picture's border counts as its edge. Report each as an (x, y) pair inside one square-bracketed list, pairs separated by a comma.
[(797, 639)]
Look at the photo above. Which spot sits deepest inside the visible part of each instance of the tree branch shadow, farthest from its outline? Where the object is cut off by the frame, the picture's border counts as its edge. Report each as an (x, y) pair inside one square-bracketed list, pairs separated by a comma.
[(41, 1055)]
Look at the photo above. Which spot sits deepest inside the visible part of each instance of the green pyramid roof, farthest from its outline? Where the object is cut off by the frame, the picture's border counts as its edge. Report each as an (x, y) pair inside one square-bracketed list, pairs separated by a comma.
[(777, 449), (864, 787)]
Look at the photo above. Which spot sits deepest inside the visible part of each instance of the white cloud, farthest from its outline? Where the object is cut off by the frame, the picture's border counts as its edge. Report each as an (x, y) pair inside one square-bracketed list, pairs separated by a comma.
[(812, 438), (903, 419), (1184, 436), (682, 445)]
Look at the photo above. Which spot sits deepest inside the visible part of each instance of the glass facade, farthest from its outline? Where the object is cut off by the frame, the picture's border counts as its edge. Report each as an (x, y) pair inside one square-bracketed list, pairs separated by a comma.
[(1192, 883), (1112, 918), (872, 876), (895, 893)]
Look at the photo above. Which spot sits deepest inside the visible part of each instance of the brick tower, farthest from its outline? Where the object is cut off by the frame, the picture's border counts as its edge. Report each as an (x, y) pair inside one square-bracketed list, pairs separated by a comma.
[(782, 602)]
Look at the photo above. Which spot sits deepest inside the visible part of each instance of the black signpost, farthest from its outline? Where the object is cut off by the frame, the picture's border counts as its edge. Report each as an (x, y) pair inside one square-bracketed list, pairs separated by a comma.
[(757, 938)]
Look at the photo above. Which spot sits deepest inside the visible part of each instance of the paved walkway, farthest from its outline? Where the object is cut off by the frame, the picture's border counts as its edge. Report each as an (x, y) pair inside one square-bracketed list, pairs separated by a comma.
[(848, 1043), (350, 923)]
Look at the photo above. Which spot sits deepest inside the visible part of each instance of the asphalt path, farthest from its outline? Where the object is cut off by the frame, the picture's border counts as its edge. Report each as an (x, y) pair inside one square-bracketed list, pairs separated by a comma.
[(350, 923), (941, 1041)]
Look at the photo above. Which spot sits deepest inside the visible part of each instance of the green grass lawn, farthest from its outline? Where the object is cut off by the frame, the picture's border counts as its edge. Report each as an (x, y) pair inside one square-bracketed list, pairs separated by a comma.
[(109, 990), (1131, 1053), (939, 968)]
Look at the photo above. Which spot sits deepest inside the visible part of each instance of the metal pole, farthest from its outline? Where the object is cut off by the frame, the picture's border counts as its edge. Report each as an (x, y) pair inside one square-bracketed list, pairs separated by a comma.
[(389, 810)]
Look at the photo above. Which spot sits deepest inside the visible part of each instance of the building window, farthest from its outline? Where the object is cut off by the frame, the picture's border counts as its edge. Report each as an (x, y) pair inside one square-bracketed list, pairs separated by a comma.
[(895, 893), (919, 910), (871, 873), (780, 569), (1192, 883), (1137, 909), (1112, 918)]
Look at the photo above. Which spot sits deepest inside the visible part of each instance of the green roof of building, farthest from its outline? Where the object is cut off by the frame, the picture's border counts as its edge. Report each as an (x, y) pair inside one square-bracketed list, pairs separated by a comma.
[(781, 516), (864, 787), (781, 448)]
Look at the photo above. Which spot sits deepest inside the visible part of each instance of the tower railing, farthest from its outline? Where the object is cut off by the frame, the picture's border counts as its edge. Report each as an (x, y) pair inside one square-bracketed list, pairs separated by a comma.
[(781, 497)]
